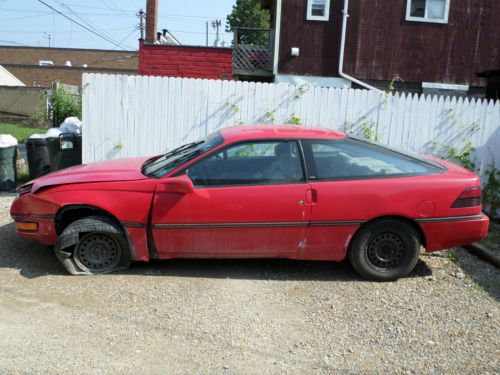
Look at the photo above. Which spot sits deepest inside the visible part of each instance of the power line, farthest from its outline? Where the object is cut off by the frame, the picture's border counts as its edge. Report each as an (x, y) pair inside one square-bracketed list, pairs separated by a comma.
[(49, 12), (159, 13), (128, 36), (27, 11), (26, 17), (196, 32), (113, 10), (107, 54), (59, 31), (68, 42), (121, 13), (79, 24), (84, 20)]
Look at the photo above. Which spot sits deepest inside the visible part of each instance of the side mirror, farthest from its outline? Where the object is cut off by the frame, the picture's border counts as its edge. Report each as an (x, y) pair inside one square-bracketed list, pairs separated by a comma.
[(179, 184)]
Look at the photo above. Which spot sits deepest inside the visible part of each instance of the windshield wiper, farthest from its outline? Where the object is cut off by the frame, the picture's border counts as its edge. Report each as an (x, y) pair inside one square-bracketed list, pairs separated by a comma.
[(183, 148), (155, 161), (188, 157), (149, 161)]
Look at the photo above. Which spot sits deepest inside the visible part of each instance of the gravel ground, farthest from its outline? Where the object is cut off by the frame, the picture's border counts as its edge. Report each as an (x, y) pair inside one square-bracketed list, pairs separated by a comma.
[(238, 317)]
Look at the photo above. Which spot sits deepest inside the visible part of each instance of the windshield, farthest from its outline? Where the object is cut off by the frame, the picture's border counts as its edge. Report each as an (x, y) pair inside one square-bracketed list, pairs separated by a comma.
[(164, 164)]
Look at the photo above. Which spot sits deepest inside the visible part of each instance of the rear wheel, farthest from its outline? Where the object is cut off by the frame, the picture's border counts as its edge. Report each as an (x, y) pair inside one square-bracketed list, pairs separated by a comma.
[(93, 245), (385, 250)]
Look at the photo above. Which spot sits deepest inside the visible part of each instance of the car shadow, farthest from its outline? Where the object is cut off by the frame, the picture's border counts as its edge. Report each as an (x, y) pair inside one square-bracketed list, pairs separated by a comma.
[(259, 269), (34, 260), (30, 258), (484, 274)]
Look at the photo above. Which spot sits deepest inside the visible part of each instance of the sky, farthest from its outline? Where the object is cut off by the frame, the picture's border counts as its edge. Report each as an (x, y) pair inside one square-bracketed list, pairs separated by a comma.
[(31, 23)]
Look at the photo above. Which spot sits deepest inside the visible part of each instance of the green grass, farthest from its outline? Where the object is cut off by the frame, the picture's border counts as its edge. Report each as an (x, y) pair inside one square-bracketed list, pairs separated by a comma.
[(19, 131)]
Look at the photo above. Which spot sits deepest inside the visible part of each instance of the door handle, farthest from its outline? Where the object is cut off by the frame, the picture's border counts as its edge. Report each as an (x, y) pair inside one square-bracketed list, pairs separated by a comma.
[(308, 197), (311, 196)]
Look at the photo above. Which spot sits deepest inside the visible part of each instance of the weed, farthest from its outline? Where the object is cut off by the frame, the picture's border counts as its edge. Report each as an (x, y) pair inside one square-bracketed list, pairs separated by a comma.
[(295, 120), (451, 256)]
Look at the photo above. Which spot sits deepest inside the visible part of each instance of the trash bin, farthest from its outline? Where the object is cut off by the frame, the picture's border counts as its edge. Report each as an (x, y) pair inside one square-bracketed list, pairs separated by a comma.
[(8, 167), (65, 151), (38, 157)]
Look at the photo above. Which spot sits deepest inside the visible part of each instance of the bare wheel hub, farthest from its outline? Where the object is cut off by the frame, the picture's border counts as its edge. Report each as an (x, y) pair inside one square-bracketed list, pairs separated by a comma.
[(97, 252), (385, 250)]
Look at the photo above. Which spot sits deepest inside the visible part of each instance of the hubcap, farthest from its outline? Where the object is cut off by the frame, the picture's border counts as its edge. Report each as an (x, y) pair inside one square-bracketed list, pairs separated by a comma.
[(97, 252), (385, 250)]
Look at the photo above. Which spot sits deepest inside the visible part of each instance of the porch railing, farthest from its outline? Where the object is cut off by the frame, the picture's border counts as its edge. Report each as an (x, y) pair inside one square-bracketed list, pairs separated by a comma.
[(252, 52)]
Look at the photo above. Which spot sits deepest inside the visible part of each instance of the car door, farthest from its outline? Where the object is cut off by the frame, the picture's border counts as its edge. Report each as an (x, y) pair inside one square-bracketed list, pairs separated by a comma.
[(250, 200)]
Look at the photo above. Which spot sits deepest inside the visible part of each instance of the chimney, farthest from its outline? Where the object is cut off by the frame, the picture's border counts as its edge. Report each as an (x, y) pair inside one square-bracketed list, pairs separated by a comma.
[(151, 20)]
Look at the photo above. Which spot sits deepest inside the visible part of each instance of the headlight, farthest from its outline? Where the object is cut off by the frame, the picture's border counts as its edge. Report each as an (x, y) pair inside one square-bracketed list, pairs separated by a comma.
[(24, 189)]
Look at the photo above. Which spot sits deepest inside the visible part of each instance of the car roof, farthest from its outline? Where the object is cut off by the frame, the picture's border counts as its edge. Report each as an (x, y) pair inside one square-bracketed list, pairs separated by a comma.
[(241, 132)]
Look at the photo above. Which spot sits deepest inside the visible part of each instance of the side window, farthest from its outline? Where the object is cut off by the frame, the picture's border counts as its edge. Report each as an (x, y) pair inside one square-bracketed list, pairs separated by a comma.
[(318, 10), (250, 163), (349, 158), (428, 10)]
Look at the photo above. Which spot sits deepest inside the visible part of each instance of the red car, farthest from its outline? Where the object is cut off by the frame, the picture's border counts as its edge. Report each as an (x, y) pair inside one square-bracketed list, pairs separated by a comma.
[(256, 192)]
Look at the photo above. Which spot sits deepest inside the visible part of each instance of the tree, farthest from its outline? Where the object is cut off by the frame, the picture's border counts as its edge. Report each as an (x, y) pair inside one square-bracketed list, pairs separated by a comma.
[(249, 14)]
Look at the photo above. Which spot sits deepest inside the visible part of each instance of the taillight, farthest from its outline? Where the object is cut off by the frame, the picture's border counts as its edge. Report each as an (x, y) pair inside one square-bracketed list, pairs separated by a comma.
[(469, 198)]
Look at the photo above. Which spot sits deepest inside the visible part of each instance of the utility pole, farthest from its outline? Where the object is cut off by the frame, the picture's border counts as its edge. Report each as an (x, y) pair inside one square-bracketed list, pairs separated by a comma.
[(142, 28), (206, 32), (48, 36), (216, 25)]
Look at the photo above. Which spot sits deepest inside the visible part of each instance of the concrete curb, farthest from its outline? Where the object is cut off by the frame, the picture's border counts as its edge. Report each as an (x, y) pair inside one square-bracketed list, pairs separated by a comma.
[(482, 253)]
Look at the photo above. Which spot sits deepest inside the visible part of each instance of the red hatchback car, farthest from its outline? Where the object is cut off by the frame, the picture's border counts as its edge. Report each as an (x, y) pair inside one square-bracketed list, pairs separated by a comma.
[(256, 192)]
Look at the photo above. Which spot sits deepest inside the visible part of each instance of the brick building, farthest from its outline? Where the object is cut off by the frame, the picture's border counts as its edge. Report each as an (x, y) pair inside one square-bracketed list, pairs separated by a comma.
[(24, 63), (172, 60), (185, 61)]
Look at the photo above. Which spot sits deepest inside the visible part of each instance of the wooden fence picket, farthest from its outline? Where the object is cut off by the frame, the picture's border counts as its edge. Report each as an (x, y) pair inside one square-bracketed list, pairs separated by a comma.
[(125, 116)]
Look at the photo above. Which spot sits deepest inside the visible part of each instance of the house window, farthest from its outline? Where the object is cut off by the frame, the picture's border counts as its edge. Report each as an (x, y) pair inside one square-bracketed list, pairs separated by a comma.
[(318, 10), (428, 10)]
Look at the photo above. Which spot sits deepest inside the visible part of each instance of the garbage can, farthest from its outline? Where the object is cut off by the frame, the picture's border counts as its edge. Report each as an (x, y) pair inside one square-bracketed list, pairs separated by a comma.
[(8, 167), (65, 151), (38, 157)]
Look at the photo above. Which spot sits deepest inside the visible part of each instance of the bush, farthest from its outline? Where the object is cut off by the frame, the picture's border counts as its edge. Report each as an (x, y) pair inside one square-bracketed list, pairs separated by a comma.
[(491, 190), (62, 104)]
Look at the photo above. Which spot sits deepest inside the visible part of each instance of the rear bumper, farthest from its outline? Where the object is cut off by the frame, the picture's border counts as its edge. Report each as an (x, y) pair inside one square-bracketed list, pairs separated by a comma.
[(448, 232)]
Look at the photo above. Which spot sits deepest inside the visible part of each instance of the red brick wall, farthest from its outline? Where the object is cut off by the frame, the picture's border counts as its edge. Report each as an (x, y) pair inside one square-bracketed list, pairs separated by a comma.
[(185, 61)]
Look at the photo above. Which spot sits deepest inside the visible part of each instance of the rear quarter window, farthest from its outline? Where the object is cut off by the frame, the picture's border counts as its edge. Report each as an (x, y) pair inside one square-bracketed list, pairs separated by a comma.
[(357, 159)]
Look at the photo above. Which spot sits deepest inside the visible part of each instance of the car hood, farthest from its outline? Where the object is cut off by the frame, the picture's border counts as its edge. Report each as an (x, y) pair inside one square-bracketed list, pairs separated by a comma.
[(104, 171)]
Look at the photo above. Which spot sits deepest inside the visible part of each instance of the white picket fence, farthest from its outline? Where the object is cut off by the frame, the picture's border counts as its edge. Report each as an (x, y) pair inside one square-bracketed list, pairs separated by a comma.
[(126, 116)]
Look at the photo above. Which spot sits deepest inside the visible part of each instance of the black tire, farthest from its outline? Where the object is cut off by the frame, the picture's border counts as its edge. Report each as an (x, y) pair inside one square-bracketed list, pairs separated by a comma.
[(385, 250), (94, 245)]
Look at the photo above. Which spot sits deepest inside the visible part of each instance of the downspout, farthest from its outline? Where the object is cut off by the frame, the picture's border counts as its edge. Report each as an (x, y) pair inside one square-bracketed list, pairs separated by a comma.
[(342, 48), (277, 32)]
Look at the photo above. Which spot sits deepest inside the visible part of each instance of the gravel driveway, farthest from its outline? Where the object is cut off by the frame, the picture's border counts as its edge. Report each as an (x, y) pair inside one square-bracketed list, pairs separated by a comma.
[(238, 317)]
